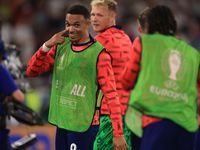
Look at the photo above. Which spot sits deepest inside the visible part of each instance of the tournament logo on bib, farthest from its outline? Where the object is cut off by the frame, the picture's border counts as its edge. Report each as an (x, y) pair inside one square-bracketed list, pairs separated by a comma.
[(173, 64), (61, 65), (62, 58)]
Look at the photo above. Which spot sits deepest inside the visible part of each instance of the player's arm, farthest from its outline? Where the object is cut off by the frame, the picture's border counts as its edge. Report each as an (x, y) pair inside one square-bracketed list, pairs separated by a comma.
[(129, 75), (106, 80), (43, 60), (18, 95), (9, 87)]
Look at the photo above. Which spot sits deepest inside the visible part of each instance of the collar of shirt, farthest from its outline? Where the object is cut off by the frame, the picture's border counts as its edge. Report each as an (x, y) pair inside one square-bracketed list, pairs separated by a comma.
[(80, 47), (116, 26)]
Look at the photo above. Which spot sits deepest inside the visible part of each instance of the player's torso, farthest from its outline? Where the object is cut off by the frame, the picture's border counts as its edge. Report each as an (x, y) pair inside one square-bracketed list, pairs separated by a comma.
[(119, 46)]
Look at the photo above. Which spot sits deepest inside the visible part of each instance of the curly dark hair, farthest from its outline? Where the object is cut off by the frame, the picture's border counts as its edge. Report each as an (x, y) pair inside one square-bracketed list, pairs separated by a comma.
[(79, 10), (161, 19)]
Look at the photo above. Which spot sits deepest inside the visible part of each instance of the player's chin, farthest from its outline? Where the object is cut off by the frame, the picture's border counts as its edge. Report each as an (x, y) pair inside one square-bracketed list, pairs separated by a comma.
[(97, 29), (72, 39)]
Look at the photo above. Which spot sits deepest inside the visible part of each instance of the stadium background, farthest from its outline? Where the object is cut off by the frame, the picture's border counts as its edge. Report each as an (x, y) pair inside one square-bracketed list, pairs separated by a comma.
[(29, 23)]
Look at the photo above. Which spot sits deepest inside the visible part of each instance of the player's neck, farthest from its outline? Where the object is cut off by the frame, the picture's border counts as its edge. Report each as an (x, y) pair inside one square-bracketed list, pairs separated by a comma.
[(83, 40), (110, 25)]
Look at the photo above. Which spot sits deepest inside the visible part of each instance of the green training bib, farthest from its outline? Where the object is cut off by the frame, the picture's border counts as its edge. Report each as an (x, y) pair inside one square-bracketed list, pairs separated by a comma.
[(166, 85), (74, 87)]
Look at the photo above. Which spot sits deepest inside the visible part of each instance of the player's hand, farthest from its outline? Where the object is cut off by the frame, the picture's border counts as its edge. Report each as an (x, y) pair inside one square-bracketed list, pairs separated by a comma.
[(58, 38), (119, 143)]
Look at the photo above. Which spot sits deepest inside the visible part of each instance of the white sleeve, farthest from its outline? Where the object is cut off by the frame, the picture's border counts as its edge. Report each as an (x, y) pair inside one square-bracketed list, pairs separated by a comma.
[(44, 48)]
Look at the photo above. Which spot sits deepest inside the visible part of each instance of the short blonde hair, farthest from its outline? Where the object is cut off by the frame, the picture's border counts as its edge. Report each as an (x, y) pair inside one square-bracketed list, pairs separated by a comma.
[(110, 5)]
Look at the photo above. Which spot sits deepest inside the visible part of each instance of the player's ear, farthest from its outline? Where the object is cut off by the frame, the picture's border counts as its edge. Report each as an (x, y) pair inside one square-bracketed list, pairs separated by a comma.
[(112, 17), (139, 29), (88, 22), (146, 28)]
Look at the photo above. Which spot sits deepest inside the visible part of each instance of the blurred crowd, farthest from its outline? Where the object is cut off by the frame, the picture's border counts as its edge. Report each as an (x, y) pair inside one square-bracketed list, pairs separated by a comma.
[(29, 23)]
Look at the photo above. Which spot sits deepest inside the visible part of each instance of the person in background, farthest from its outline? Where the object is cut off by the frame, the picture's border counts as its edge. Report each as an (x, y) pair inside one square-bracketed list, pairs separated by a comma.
[(119, 45), (8, 91), (141, 19), (163, 98), (79, 64)]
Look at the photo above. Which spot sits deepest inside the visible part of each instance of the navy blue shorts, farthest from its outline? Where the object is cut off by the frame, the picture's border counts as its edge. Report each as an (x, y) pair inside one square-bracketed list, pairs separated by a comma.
[(66, 140), (166, 135), (135, 142)]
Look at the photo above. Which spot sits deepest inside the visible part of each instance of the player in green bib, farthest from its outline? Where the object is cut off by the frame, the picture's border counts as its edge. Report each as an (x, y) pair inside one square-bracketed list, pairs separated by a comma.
[(162, 106), (77, 62)]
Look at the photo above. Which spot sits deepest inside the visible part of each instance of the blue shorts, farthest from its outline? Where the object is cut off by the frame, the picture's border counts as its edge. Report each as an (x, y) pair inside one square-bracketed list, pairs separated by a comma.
[(166, 135), (4, 140), (67, 140)]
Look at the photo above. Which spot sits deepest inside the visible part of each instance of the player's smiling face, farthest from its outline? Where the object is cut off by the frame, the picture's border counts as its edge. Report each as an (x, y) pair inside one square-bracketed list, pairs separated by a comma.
[(77, 27), (100, 18)]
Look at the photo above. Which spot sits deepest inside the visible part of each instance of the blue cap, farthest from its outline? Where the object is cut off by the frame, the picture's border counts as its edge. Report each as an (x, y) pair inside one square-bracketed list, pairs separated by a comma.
[(2, 51)]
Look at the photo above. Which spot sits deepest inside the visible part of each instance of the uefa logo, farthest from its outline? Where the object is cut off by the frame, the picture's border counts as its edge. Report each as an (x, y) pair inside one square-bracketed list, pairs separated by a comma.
[(173, 64)]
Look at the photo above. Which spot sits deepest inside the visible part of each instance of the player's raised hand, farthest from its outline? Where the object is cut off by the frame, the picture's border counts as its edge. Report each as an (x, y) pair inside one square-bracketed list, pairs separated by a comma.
[(58, 38), (119, 143)]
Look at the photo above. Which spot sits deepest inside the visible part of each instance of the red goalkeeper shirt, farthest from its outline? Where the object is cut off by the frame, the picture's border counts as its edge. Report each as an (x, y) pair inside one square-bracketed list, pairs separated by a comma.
[(119, 45), (44, 61), (130, 73)]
